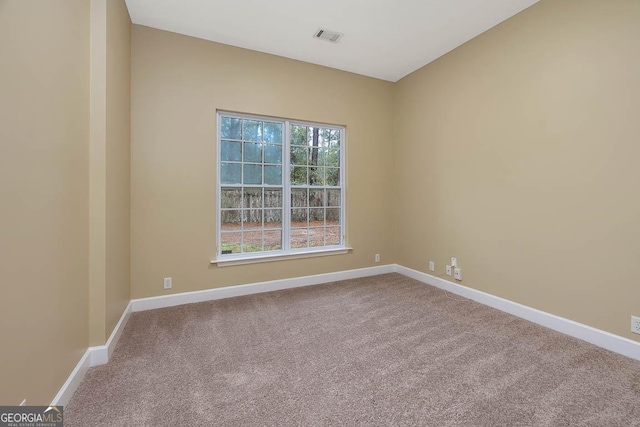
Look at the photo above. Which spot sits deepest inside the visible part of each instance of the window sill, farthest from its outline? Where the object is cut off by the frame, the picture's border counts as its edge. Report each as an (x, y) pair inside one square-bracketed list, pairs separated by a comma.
[(225, 262)]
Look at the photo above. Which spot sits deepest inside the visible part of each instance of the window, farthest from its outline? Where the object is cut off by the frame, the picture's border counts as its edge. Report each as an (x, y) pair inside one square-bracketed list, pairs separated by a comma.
[(280, 186)]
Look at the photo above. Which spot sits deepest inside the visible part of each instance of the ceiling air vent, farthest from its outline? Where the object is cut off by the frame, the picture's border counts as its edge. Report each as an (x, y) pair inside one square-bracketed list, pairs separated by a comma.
[(328, 35)]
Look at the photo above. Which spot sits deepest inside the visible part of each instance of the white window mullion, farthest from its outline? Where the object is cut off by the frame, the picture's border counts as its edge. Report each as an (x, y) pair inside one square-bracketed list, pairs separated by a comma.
[(286, 188)]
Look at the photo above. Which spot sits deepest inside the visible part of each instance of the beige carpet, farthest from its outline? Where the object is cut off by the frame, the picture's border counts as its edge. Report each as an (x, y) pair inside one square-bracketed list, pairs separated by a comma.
[(379, 351)]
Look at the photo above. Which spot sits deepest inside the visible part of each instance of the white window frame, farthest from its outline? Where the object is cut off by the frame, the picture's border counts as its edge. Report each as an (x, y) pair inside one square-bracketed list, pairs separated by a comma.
[(286, 252)]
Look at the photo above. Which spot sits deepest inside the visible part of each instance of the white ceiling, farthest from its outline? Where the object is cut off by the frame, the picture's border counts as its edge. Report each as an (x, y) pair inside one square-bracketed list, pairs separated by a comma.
[(386, 39)]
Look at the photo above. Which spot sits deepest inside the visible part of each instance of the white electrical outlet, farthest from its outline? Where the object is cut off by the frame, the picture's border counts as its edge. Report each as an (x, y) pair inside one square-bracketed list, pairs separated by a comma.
[(377, 258), (448, 270), (454, 262), (168, 282), (432, 266), (457, 273), (635, 324)]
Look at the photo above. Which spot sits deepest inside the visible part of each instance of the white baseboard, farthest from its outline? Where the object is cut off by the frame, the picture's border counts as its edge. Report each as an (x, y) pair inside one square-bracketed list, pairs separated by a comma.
[(163, 301), (586, 333), (93, 356), (71, 385), (101, 354)]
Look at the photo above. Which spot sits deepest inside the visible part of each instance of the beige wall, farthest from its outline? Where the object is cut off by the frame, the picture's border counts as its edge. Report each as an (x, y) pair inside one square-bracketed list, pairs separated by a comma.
[(118, 162), (178, 82), (65, 184), (97, 172), (110, 176), (44, 166), (518, 154)]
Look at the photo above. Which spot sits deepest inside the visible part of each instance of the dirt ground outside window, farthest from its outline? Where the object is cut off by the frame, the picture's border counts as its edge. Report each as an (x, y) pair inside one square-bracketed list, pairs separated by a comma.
[(318, 233)]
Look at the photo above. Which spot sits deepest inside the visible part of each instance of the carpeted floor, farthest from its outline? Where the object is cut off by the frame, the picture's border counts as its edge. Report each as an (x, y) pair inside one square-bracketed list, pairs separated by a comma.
[(379, 351)]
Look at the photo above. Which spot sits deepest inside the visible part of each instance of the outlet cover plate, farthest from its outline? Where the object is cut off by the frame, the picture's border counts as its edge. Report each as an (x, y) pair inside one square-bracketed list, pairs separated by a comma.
[(635, 324), (167, 283), (432, 266), (457, 273), (448, 270)]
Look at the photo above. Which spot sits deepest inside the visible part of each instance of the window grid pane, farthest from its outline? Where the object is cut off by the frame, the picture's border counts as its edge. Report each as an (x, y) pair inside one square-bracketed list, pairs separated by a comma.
[(322, 173)]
